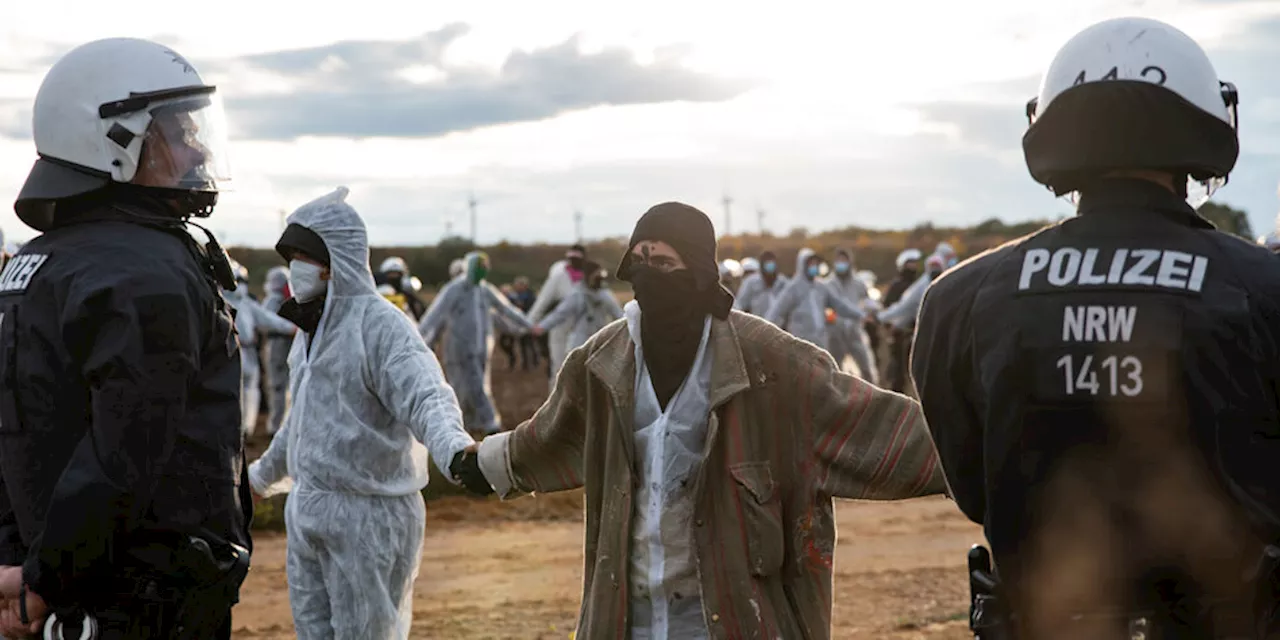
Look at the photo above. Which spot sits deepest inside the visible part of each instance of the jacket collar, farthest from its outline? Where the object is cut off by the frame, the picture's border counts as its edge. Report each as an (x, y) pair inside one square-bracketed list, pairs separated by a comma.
[(1113, 195), (614, 363)]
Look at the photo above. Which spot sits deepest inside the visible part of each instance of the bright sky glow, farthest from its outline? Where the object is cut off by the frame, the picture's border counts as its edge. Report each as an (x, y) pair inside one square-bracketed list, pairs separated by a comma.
[(831, 135)]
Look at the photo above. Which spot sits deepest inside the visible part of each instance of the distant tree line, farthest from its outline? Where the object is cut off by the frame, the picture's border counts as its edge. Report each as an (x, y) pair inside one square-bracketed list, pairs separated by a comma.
[(873, 249)]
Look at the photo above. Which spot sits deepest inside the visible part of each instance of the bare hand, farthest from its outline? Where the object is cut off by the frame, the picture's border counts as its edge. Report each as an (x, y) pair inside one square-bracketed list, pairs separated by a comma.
[(10, 582), (538, 331), (472, 448), (11, 625)]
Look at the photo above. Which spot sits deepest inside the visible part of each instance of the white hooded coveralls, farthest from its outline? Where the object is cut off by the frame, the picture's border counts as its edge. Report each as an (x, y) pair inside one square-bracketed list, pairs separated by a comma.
[(556, 289), (848, 337), (585, 312), (251, 321), (367, 393), (803, 304)]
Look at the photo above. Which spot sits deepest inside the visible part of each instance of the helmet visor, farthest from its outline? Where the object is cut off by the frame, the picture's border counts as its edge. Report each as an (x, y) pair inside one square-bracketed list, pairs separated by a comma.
[(185, 146)]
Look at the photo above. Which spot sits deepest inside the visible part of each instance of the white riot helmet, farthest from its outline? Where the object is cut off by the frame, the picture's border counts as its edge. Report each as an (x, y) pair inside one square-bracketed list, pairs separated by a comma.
[(730, 268), (908, 255), (394, 263), (1131, 93), (125, 111), (750, 265), (457, 267)]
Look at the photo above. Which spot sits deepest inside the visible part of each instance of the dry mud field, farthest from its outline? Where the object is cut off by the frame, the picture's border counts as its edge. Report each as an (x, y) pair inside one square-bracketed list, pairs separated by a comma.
[(514, 570)]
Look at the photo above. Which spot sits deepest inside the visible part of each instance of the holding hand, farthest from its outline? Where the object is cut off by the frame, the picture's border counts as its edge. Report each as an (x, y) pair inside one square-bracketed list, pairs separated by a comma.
[(537, 331), (16, 599), (465, 468)]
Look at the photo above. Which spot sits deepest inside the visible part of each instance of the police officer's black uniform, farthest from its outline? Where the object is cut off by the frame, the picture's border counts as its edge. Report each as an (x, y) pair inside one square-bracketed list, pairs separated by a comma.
[(120, 444), (1112, 378)]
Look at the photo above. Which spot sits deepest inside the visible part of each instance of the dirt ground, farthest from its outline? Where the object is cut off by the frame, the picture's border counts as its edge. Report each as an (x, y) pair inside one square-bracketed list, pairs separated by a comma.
[(513, 570)]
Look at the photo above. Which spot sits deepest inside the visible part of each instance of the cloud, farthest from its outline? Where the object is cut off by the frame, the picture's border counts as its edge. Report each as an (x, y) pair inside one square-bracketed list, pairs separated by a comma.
[(15, 118), (358, 88)]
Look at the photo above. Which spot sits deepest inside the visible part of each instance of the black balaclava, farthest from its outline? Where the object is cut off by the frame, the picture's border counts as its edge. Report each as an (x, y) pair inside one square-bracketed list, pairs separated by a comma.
[(674, 305), (910, 270), (396, 280), (299, 238)]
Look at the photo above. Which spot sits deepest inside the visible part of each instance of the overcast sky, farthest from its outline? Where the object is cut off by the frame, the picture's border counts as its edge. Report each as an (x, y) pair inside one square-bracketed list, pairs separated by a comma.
[(821, 114)]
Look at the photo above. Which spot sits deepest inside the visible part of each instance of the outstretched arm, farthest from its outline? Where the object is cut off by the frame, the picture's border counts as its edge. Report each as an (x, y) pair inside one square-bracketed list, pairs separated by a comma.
[(408, 381), (272, 323), (437, 316), (552, 291), (504, 308), (866, 442), (569, 309), (842, 306), (545, 453)]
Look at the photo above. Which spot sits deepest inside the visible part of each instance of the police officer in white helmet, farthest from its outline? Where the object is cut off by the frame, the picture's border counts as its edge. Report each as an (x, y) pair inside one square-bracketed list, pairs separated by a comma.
[(1103, 393), (120, 444)]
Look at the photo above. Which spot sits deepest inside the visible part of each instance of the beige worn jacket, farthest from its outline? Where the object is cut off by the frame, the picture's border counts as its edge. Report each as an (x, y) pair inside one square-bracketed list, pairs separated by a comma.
[(787, 432)]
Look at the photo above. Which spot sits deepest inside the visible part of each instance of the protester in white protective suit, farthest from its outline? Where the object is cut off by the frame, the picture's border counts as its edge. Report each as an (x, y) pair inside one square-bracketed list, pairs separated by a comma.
[(902, 314), (848, 337), (276, 365), (561, 278), (367, 394), (467, 308), (948, 254), (803, 304), (253, 322), (590, 308), (758, 290)]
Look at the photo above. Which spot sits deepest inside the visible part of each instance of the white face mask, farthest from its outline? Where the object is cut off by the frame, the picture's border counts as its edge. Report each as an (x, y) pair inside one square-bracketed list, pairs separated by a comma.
[(305, 282)]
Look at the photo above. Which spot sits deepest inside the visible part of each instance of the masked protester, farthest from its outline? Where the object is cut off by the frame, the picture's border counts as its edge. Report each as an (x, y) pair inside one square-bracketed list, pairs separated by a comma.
[(561, 279), (896, 369), (467, 308), (253, 322), (1104, 393), (758, 291), (120, 446), (276, 365), (367, 395), (705, 438), (523, 297), (394, 271), (803, 303), (588, 310), (847, 337)]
